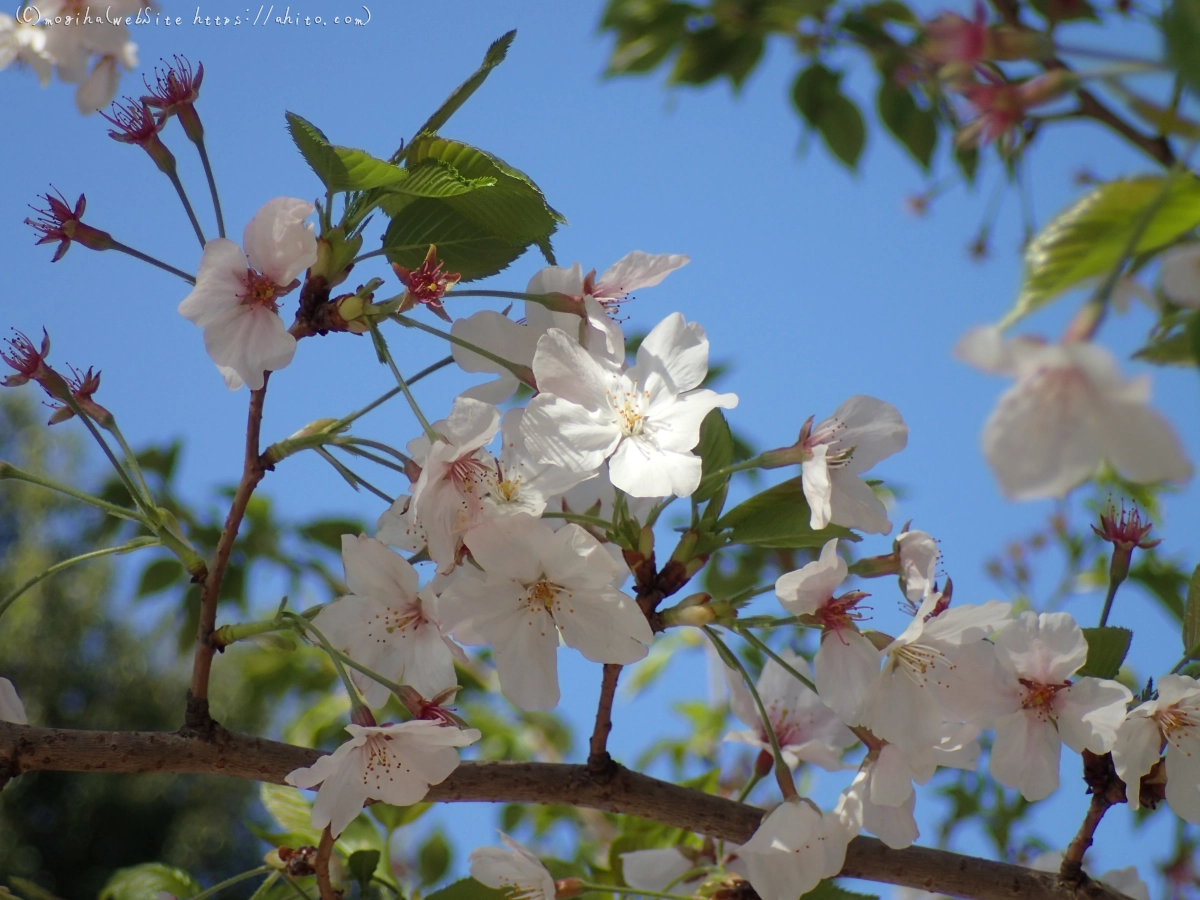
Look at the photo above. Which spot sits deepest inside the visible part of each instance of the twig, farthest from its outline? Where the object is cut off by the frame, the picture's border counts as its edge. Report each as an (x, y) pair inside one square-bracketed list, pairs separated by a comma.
[(1100, 775), (598, 758), (321, 865), (197, 716)]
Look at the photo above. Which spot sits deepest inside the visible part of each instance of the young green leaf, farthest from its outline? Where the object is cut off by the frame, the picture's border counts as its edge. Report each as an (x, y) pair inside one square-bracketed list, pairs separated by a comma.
[(494, 56), (362, 865), (818, 97), (715, 451), (145, 881), (158, 576), (1107, 647), (779, 517)]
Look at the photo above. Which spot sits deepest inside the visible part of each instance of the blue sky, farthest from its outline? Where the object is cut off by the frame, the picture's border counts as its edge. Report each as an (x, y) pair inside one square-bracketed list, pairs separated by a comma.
[(814, 283)]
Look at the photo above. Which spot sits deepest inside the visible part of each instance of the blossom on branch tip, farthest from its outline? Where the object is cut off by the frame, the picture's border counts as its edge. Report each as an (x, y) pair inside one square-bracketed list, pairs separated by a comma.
[(512, 869), (1172, 720), (62, 224), (392, 763), (235, 299), (1069, 410), (24, 356), (1002, 106), (11, 707), (83, 389)]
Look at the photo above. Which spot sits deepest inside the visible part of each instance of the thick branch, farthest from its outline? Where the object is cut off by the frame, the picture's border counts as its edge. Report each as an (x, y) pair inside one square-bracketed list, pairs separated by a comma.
[(26, 749), (197, 716)]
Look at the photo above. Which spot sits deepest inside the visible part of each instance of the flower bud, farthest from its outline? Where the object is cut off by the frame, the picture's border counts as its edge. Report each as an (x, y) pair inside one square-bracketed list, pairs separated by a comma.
[(568, 887)]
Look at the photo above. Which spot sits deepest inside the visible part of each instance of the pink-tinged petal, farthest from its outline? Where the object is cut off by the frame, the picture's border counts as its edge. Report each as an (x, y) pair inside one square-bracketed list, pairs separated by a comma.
[(565, 369), (222, 277), (1047, 649), (986, 349), (1141, 444), (11, 707), (233, 380), (642, 470), (527, 661), (1025, 754), (499, 335), (1174, 689), (853, 504), (784, 857), (428, 664), (605, 627), (1089, 713), (638, 270), (904, 712), (251, 343), (470, 425), (654, 870), (872, 428), (678, 349), (398, 526), (573, 558), (818, 489), (565, 434), (807, 589), (1135, 752), (429, 750), (479, 612), (373, 570), (969, 622), (1126, 881), (981, 690), (277, 241), (844, 668)]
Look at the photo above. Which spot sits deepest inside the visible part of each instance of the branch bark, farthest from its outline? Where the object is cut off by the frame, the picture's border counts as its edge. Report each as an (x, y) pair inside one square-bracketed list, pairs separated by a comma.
[(197, 717), (28, 749)]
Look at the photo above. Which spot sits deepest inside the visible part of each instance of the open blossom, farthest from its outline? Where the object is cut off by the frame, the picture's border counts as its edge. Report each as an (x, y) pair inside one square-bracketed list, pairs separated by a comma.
[(392, 763), (236, 293), (846, 663), (537, 584), (1069, 409), (860, 433), (25, 45), (523, 485), (793, 849), (645, 420), (11, 707), (513, 869), (881, 800), (78, 39), (1173, 721), (807, 730), (1037, 709), (387, 625)]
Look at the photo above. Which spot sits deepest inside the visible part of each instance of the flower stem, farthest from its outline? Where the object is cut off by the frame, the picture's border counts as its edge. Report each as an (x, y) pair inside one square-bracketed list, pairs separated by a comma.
[(750, 785), (146, 258), (753, 639), (1113, 584), (518, 371), (385, 356), (304, 625), (783, 774), (187, 205), (119, 512), (143, 502), (130, 457), (212, 185), (580, 518), (352, 478), (135, 544), (230, 882)]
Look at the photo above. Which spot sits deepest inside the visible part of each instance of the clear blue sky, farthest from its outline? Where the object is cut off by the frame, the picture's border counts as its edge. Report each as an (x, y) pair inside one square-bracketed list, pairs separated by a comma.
[(814, 283)]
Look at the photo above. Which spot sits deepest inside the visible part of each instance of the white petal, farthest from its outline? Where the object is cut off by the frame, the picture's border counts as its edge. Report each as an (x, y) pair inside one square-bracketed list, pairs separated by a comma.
[(1183, 784), (1025, 755), (1047, 649), (568, 435), (565, 369), (807, 589), (873, 429), (221, 278), (654, 870), (527, 661), (606, 628), (986, 349), (678, 349), (100, 88), (277, 241), (642, 470), (1141, 444), (853, 504), (251, 343), (814, 478), (1135, 752), (844, 668), (1089, 713), (638, 270), (11, 707)]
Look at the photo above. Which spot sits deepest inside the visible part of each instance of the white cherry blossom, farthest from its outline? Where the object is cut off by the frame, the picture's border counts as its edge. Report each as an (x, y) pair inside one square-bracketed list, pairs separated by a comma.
[(24, 45), (392, 763), (846, 663), (236, 293), (1173, 720), (11, 707), (793, 849), (523, 485), (1069, 410), (537, 584), (386, 624), (398, 526), (75, 42), (512, 868), (860, 433), (807, 729), (919, 556), (1036, 707), (645, 419), (861, 806)]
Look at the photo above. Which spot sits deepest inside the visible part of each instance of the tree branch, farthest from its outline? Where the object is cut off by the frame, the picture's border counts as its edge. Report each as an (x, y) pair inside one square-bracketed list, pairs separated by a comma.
[(27, 749), (598, 758), (197, 717)]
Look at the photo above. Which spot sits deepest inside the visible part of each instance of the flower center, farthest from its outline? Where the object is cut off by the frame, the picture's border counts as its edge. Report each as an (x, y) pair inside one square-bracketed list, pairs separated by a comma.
[(394, 620), (1177, 724), (1040, 697), (915, 660), (627, 404), (260, 291), (467, 473), (543, 592), (840, 612)]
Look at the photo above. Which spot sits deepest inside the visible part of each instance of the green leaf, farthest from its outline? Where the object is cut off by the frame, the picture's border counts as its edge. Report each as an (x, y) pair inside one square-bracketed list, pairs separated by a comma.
[(362, 865), (1174, 349), (328, 532), (290, 810), (433, 859), (341, 168), (1191, 616), (145, 881), (1087, 240), (709, 53), (393, 817), (779, 518), (1107, 647), (827, 890), (646, 33), (1181, 37), (312, 144), (715, 451), (466, 889), (1163, 580), (914, 127), (434, 178), (818, 97), (158, 576), (494, 56)]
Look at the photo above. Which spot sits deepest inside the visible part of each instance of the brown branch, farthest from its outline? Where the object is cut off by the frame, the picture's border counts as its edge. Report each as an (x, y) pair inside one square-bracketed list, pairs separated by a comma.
[(197, 717), (321, 866), (27, 749), (1107, 790), (598, 759)]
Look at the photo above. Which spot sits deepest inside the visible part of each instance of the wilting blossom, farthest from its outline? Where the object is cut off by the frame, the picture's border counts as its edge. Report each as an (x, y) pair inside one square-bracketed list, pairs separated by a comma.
[(1069, 410), (236, 297)]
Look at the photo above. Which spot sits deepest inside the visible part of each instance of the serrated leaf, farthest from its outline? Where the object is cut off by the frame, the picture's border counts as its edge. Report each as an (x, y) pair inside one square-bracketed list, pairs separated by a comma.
[(340, 168), (715, 451), (494, 56), (1107, 647), (434, 178), (1087, 240), (779, 518), (1181, 37), (466, 889), (915, 128), (311, 142), (159, 575), (827, 890), (290, 810), (362, 865), (1163, 580), (145, 881), (1191, 616)]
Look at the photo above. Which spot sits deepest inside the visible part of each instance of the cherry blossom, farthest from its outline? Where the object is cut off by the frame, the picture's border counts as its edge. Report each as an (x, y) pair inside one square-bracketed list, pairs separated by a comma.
[(645, 420), (387, 625), (860, 433), (1173, 720), (793, 849), (846, 662), (1037, 709), (1069, 410), (807, 730), (522, 485), (512, 869), (537, 584), (456, 477), (918, 554), (74, 42), (236, 293), (881, 800), (11, 707), (659, 870), (392, 763), (24, 44)]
